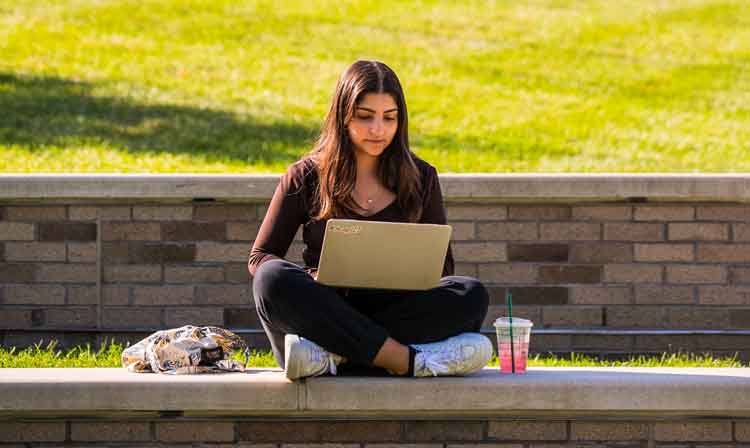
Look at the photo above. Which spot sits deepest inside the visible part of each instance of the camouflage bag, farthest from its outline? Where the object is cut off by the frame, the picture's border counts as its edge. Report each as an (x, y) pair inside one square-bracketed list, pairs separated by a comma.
[(186, 350)]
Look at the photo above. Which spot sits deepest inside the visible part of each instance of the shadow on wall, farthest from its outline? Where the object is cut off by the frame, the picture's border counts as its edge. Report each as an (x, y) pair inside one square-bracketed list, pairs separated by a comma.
[(39, 111)]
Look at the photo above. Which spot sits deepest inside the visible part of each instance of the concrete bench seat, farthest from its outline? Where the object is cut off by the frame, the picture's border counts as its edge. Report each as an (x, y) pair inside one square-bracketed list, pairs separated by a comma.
[(546, 408), (549, 391)]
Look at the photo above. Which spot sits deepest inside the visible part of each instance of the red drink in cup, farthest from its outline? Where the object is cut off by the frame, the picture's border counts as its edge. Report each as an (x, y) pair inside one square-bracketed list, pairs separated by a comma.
[(517, 355)]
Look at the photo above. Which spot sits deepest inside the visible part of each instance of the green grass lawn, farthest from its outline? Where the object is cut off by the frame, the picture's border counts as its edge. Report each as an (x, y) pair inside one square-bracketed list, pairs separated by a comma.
[(242, 86), (109, 356)]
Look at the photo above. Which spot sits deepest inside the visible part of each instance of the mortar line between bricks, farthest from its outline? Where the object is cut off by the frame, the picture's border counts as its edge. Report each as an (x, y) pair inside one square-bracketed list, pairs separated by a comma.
[(100, 299), (651, 437)]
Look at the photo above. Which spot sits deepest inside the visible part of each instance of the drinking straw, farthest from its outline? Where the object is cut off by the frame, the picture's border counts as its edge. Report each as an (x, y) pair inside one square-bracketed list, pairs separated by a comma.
[(510, 320)]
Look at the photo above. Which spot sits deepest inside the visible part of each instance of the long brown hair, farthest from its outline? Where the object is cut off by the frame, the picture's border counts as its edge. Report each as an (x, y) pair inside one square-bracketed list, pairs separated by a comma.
[(334, 153)]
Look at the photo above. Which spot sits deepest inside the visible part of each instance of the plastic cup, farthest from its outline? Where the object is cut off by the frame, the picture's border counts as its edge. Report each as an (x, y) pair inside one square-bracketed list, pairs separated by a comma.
[(521, 333)]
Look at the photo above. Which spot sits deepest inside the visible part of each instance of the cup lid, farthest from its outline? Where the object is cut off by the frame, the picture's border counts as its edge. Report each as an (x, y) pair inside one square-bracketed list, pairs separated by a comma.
[(504, 321)]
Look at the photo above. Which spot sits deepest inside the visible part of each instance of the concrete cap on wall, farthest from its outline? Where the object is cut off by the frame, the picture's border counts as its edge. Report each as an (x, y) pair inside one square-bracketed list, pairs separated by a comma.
[(456, 187), (538, 392)]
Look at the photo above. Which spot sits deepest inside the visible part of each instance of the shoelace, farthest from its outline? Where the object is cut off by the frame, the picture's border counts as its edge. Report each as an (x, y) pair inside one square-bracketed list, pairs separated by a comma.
[(437, 362), (318, 354)]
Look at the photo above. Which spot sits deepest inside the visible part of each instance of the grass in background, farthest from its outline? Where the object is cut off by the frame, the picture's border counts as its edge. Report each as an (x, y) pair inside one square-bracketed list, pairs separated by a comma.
[(242, 86), (109, 356)]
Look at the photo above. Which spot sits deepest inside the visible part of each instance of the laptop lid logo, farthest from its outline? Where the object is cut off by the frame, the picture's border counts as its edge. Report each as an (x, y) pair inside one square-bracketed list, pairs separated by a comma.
[(345, 229)]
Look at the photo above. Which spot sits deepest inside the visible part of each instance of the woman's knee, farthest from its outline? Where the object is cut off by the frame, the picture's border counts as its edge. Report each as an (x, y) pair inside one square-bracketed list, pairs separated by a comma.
[(475, 295), (273, 280)]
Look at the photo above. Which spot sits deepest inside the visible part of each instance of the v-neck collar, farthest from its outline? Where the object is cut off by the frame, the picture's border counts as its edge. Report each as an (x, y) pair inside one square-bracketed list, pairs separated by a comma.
[(393, 202)]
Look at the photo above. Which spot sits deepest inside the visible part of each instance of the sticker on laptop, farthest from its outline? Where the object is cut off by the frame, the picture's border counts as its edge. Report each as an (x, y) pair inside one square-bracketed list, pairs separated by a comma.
[(345, 229)]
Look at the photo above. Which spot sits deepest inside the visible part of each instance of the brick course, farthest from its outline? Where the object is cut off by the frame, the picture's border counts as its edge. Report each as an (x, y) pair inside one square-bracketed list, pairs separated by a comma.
[(338, 432), (15, 319), (66, 231), (177, 317), (82, 252), (600, 295), (455, 211), (208, 431), (569, 274), (16, 231), (163, 295), (697, 231), (723, 253), (508, 231), (478, 252), (600, 264), (664, 252), (127, 231), (244, 212), (243, 231), (633, 232), (34, 294), (538, 252), (70, 317), (664, 213), (67, 273), (569, 316), (601, 253), (539, 212), (17, 272), (696, 274), (463, 231), (194, 274), (722, 213), (658, 294), (32, 431), (193, 231), (507, 273), (534, 295), (223, 295), (705, 431), (35, 251), (603, 212), (132, 317), (632, 273), (110, 431), (34, 213), (443, 431), (609, 431), (527, 430), (162, 212), (636, 317), (570, 231), (90, 213)]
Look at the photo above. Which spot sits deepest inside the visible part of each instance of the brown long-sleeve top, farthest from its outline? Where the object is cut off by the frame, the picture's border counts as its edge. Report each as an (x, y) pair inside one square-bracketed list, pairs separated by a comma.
[(291, 205)]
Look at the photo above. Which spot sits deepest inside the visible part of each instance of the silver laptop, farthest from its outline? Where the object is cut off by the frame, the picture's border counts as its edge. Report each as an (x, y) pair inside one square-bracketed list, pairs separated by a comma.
[(383, 255)]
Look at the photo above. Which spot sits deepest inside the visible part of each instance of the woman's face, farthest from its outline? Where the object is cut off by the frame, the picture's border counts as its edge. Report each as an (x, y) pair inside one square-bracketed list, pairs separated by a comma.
[(374, 123)]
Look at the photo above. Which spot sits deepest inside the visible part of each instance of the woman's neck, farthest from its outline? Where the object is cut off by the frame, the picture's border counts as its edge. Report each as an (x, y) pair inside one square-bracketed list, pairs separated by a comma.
[(367, 167)]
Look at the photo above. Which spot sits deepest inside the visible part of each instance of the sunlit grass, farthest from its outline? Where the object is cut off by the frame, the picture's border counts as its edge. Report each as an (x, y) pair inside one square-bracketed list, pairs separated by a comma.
[(242, 86), (108, 355)]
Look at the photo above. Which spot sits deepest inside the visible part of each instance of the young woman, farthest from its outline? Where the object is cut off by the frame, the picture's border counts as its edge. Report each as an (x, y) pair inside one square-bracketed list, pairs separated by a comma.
[(362, 168)]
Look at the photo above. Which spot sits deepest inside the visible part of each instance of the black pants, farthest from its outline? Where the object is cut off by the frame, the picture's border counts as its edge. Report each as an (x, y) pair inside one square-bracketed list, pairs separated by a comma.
[(355, 323)]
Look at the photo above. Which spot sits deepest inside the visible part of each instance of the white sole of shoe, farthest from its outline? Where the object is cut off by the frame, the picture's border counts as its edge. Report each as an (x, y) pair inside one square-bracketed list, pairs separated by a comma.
[(292, 363)]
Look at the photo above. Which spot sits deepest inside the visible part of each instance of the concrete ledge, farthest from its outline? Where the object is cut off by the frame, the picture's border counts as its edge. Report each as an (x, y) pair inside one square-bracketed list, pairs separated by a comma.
[(456, 187), (640, 392)]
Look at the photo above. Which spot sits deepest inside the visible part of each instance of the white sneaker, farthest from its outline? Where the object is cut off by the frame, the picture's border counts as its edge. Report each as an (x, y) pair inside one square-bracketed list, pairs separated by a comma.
[(457, 355), (303, 358)]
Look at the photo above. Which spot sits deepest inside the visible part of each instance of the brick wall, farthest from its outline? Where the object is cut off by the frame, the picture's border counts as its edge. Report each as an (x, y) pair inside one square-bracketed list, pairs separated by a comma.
[(76, 270), (435, 433)]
